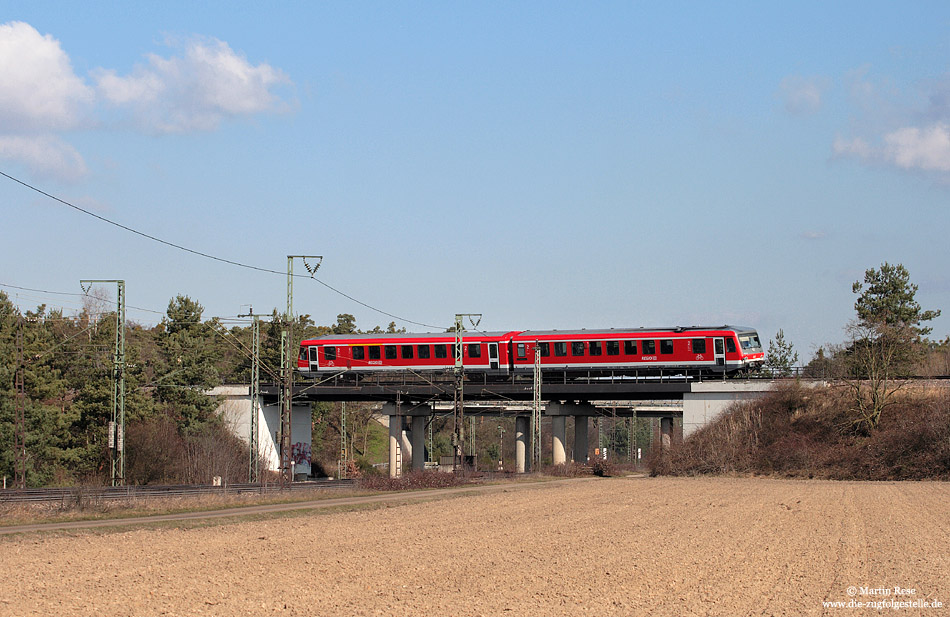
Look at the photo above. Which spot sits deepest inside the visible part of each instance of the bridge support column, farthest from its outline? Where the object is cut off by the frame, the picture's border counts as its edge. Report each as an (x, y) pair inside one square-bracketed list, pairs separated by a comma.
[(398, 443), (666, 432), (418, 443), (395, 437), (559, 413), (521, 443), (580, 439), (559, 437)]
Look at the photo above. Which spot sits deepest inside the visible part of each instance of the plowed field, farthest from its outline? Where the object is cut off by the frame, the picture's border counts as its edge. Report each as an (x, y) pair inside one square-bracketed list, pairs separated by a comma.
[(618, 546)]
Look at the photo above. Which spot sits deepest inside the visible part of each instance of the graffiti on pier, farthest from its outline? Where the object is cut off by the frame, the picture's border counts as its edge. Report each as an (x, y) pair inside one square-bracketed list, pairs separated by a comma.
[(300, 452)]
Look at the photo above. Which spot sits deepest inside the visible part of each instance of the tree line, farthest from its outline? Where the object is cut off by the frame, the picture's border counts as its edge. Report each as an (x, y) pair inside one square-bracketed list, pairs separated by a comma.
[(173, 433)]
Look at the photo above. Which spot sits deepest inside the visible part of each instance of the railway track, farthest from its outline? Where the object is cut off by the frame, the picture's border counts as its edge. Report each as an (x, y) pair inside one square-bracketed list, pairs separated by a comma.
[(115, 493)]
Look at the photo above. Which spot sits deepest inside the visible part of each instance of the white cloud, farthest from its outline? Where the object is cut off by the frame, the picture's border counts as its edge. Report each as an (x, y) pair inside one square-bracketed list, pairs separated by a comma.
[(852, 147), (41, 96), (919, 148), (39, 90), (912, 148), (803, 94), (194, 91), (44, 155)]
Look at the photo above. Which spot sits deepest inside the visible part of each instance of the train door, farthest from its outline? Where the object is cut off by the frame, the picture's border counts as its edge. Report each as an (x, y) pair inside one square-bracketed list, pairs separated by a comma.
[(719, 346), (493, 356), (313, 358)]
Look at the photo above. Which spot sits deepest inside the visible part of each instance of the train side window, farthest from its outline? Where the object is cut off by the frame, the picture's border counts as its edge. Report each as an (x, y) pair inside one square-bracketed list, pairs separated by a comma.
[(630, 348), (440, 351), (545, 349), (424, 352), (521, 351), (374, 352), (699, 345), (329, 352), (666, 346), (358, 352), (313, 354), (407, 352), (596, 348), (474, 350), (560, 349), (730, 345), (648, 347), (613, 348), (577, 348), (390, 351)]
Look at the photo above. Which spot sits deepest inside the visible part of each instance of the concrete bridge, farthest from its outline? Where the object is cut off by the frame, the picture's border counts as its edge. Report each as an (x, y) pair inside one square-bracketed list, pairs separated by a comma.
[(697, 407), (410, 400)]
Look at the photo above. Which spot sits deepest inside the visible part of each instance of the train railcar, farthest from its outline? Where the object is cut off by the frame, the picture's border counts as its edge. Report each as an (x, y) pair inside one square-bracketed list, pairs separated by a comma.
[(367, 353), (726, 349)]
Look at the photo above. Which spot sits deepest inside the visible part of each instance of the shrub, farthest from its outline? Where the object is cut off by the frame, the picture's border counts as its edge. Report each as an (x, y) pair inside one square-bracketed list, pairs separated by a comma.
[(411, 480), (810, 432)]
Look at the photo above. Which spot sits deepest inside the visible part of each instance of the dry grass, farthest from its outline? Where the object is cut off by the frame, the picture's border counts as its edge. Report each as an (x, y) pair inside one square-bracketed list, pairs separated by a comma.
[(90, 508), (806, 432)]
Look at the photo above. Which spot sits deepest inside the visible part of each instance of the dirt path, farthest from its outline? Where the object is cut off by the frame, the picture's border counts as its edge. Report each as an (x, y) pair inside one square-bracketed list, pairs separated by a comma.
[(626, 546)]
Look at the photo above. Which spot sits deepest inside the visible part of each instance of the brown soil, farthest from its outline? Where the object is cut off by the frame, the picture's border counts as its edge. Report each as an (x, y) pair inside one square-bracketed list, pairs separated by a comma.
[(618, 546)]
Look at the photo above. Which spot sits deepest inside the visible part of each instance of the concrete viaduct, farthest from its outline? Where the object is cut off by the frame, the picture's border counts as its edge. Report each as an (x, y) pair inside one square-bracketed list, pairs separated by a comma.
[(410, 400)]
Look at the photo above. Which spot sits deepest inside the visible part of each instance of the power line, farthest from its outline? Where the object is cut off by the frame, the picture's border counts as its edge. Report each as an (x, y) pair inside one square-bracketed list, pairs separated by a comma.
[(206, 255)]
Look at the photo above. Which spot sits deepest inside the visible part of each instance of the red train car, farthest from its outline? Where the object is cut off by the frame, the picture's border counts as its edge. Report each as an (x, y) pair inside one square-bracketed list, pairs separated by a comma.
[(726, 349), (367, 353)]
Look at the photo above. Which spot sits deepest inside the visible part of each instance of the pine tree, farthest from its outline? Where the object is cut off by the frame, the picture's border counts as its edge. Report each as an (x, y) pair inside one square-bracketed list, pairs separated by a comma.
[(781, 356)]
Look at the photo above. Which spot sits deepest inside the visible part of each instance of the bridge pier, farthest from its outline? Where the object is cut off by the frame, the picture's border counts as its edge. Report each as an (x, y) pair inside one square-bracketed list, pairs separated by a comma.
[(666, 432), (581, 452), (399, 444), (558, 439), (418, 443), (559, 412), (521, 443)]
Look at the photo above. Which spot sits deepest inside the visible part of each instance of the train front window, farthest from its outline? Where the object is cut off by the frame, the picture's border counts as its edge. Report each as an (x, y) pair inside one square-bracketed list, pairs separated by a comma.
[(358, 352), (329, 352), (750, 342)]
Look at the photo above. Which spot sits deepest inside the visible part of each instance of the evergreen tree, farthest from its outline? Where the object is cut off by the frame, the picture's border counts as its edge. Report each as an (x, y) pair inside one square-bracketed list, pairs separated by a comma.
[(189, 368), (781, 356)]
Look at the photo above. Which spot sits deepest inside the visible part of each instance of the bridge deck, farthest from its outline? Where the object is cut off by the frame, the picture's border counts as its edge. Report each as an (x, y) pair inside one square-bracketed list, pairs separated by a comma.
[(419, 388)]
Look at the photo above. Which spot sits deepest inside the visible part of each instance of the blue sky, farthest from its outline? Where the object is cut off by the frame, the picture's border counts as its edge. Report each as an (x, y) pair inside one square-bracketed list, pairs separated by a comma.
[(549, 165)]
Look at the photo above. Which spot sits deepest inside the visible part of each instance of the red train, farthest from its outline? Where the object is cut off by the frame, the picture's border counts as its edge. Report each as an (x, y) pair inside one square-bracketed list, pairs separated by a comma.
[(726, 349)]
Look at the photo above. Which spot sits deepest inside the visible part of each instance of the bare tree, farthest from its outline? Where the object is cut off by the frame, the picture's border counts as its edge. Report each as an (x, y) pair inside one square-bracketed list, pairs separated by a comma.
[(878, 360)]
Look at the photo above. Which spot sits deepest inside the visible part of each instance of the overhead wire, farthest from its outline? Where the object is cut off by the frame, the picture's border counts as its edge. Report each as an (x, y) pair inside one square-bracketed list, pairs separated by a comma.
[(207, 255)]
